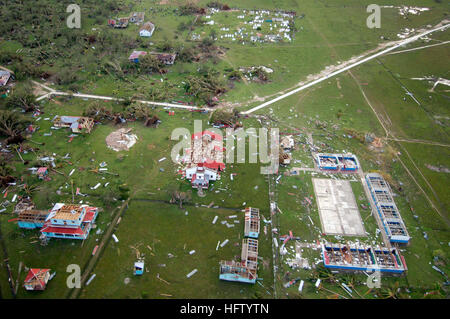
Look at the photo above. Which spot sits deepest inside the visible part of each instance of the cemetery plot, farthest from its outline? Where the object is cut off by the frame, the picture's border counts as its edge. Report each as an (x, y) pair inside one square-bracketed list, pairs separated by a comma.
[(257, 26)]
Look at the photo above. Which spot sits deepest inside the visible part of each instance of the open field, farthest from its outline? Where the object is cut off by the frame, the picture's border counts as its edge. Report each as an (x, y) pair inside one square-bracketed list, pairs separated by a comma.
[(168, 230)]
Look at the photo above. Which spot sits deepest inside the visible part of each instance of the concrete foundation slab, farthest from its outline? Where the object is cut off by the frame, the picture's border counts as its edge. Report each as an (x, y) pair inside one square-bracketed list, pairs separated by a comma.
[(339, 214)]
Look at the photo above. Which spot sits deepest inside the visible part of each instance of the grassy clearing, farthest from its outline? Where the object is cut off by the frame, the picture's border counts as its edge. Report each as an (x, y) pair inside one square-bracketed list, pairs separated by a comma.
[(166, 229)]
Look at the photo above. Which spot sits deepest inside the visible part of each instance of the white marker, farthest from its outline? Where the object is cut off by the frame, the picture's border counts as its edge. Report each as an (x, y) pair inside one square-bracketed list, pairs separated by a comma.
[(224, 243), (191, 273)]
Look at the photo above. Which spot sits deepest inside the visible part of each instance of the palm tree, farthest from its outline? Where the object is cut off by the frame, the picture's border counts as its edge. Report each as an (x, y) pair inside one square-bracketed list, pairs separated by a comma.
[(391, 292), (5, 174), (30, 189)]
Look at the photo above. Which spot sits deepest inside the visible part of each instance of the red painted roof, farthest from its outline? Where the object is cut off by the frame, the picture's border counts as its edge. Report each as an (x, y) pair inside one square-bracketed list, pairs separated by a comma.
[(136, 54), (42, 170), (32, 274), (213, 135), (62, 230), (90, 213), (215, 165)]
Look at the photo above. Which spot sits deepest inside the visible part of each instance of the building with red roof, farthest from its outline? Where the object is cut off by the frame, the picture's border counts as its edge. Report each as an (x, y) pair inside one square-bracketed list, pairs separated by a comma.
[(204, 159), (42, 172), (69, 221), (37, 279)]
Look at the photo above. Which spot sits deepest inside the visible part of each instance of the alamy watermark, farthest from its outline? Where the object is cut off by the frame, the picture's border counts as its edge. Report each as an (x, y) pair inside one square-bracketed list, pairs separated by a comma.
[(74, 20), (374, 280), (258, 146), (373, 20), (74, 279)]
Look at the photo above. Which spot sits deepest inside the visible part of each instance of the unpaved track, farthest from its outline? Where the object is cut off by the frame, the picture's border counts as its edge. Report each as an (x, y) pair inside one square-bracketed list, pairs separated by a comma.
[(346, 66)]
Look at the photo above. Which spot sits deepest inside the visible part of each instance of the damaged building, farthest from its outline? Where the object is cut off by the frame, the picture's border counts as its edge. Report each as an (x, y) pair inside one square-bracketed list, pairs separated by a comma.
[(37, 279), (137, 17), (166, 58), (287, 143), (147, 30), (244, 271), (78, 124), (337, 162), (252, 222), (388, 212), (69, 221), (32, 219), (204, 159), (121, 140), (135, 55), (358, 258)]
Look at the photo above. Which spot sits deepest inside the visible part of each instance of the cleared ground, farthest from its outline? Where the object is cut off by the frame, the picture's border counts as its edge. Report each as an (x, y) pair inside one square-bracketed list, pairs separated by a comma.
[(338, 211)]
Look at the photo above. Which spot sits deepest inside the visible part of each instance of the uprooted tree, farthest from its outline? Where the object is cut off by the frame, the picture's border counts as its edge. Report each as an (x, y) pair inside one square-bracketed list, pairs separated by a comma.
[(22, 98), (142, 112), (180, 197), (11, 126), (225, 117), (206, 87), (151, 64), (5, 173), (98, 112)]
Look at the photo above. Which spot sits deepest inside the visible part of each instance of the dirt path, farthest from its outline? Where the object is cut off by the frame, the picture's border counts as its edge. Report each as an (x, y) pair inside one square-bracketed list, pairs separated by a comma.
[(108, 98), (418, 141), (390, 136), (101, 247), (419, 48), (331, 71)]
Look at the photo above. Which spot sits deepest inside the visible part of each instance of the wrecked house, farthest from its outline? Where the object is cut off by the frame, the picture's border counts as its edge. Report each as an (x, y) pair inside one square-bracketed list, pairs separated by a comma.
[(249, 254), (204, 159), (137, 17), (244, 271), (166, 58), (388, 212), (5, 76), (285, 158), (252, 222), (78, 124), (5, 81), (37, 279), (235, 271), (121, 23), (147, 30), (287, 142), (69, 221), (135, 55), (31, 219), (357, 258), (22, 205), (337, 162), (42, 172)]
